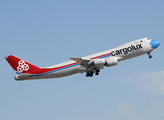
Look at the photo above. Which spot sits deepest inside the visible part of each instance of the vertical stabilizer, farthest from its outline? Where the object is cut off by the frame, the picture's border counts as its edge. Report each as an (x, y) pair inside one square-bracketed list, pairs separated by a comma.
[(21, 66)]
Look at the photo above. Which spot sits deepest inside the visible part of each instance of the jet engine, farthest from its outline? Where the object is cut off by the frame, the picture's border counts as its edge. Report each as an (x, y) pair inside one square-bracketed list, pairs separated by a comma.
[(105, 62), (98, 62), (111, 61)]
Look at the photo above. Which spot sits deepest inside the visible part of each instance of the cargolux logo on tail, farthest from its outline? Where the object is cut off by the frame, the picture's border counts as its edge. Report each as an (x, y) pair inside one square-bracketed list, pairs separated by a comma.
[(22, 66)]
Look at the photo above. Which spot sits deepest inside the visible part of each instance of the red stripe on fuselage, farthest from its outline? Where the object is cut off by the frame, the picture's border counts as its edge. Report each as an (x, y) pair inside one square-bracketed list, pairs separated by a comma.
[(44, 70), (101, 56)]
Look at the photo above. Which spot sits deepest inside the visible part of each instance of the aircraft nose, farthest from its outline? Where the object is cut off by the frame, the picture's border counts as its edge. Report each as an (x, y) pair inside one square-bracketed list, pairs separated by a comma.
[(154, 44)]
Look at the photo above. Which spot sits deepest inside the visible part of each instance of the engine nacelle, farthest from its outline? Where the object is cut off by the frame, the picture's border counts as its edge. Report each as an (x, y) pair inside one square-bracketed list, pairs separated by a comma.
[(99, 62), (111, 61)]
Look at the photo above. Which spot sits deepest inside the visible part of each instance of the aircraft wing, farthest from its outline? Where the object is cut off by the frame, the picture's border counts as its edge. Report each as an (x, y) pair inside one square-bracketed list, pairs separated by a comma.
[(83, 61), (80, 60)]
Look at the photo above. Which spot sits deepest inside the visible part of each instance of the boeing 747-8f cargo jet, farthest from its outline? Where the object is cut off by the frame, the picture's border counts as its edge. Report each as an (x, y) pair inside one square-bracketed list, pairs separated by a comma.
[(90, 64)]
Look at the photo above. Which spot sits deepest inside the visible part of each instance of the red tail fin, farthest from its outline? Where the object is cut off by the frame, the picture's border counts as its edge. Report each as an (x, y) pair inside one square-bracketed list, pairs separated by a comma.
[(20, 65)]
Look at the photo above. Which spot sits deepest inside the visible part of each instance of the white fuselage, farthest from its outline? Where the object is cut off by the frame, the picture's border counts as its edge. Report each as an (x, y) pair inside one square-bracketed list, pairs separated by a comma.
[(123, 52)]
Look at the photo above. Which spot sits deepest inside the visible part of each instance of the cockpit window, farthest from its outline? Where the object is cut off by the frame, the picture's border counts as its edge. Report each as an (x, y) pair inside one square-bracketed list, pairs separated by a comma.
[(148, 39)]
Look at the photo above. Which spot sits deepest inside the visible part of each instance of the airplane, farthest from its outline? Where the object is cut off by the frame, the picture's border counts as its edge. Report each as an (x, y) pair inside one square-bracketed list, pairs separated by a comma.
[(90, 64)]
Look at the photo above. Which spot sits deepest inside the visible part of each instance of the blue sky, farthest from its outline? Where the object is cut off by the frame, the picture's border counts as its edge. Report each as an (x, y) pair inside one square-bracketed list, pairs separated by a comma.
[(49, 32)]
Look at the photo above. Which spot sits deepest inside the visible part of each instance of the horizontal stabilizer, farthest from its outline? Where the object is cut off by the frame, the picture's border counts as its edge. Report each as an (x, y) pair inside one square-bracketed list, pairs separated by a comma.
[(21, 76)]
